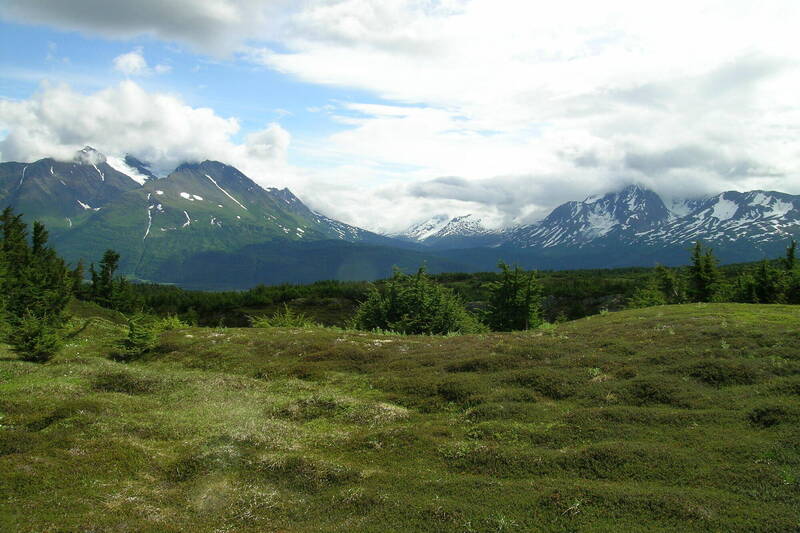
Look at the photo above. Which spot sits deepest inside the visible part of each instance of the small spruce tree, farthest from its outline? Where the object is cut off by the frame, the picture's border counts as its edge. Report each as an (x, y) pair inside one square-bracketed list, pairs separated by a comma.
[(36, 288), (704, 277), (768, 284), (790, 261), (414, 305), (514, 301)]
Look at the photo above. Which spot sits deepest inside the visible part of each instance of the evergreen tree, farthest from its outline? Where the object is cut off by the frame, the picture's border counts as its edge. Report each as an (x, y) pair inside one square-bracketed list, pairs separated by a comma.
[(123, 297), (3, 314), (36, 288), (671, 285), (414, 305), (648, 296), (768, 284), (703, 274), (108, 290), (514, 301), (78, 286), (95, 283), (103, 282), (40, 236), (793, 287), (790, 261), (142, 337), (35, 339), (745, 289)]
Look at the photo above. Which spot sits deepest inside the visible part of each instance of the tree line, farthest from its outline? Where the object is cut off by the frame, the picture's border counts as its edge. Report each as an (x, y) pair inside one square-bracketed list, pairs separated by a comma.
[(37, 285), (767, 282)]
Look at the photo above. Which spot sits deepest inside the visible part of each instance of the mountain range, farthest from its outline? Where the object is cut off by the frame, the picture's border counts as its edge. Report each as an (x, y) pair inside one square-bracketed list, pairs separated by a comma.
[(207, 225)]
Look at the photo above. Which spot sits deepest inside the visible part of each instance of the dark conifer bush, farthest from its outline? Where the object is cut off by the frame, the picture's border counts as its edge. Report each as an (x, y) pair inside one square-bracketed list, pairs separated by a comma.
[(415, 305), (36, 287), (515, 301)]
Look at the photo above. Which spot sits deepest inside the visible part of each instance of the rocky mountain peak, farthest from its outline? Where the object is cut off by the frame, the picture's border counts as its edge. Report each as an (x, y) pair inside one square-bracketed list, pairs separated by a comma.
[(89, 156)]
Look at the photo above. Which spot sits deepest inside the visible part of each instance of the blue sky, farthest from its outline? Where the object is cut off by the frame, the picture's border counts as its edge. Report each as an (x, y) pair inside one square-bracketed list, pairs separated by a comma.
[(254, 94), (385, 112)]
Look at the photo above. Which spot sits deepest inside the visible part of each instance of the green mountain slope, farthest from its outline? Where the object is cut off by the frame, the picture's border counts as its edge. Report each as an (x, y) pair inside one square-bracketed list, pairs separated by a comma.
[(61, 194), (192, 226)]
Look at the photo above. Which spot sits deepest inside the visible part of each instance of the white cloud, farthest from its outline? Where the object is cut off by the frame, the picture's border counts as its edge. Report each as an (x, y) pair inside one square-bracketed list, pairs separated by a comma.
[(533, 101), (132, 63), (154, 127), (504, 108)]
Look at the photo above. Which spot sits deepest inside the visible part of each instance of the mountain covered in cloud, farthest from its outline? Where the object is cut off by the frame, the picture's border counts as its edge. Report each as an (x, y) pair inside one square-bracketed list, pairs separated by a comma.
[(637, 219), (205, 224), (208, 225)]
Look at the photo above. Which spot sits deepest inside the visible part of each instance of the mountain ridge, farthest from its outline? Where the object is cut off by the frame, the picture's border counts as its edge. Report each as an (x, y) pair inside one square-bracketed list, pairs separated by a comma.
[(634, 216), (207, 224)]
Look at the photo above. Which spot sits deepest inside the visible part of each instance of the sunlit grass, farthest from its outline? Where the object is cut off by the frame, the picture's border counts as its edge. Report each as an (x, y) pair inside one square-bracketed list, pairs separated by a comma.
[(678, 418)]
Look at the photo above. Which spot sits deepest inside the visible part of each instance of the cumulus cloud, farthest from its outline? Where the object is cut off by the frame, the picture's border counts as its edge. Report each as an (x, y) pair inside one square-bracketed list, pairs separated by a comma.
[(131, 64), (526, 104), (156, 127), (505, 108)]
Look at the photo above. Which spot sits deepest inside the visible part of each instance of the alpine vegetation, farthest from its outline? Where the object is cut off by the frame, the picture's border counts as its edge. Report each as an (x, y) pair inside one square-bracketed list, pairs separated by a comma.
[(35, 289)]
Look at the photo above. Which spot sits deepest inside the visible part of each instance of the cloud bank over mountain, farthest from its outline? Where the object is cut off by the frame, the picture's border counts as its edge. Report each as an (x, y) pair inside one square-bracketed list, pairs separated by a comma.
[(504, 109), (127, 119)]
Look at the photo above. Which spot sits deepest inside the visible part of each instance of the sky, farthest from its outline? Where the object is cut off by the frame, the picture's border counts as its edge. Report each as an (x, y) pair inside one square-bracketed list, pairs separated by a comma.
[(382, 113)]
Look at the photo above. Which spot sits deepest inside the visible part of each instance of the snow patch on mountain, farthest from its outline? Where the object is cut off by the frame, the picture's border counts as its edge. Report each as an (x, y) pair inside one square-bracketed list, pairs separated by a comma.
[(226, 192), (120, 165), (424, 229), (724, 209), (600, 223), (462, 226), (149, 221)]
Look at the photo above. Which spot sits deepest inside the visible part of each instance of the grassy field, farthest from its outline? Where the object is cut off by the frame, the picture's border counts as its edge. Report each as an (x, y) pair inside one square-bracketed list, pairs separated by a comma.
[(677, 418)]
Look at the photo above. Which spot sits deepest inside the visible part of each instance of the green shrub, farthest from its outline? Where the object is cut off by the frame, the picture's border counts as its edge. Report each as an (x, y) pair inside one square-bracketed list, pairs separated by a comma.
[(306, 472), (171, 322), (35, 339), (415, 305), (142, 336), (455, 391), (545, 382), (283, 318), (483, 364)]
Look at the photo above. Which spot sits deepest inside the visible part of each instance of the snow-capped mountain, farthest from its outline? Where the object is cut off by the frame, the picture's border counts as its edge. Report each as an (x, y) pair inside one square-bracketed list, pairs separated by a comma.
[(636, 216), (634, 223), (139, 171), (462, 232), (208, 225), (422, 230), (443, 232), (756, 217), (630, 210)]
